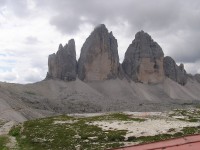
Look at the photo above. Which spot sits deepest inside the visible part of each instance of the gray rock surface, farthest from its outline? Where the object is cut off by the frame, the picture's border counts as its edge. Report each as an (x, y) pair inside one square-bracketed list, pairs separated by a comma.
[(53, 97), (197, 77), (143, 60), (99, 58), (63, 64), (121, 73), (174, 72)]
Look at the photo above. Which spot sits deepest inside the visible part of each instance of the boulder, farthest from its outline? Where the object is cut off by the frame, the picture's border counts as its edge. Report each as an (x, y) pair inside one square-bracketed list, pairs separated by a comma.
[(99, 58), (174, 72), (143, 61), (63, 64)]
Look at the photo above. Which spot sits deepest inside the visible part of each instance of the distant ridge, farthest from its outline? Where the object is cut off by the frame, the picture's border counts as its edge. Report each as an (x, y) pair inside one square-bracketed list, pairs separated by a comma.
[(144, 60)]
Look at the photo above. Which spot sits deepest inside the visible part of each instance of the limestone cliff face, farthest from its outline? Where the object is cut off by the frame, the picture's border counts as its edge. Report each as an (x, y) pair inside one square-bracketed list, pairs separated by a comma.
[(174, 72), (63, 65), (99, 58), (143, 60)]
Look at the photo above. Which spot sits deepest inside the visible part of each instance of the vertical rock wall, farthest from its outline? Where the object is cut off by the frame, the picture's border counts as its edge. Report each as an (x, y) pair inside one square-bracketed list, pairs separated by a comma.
[(99, 58), (63, 65), (143, 60)]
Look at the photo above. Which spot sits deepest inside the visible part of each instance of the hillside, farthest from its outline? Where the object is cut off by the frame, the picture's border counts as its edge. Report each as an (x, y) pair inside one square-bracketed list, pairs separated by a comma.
[(50, 97)]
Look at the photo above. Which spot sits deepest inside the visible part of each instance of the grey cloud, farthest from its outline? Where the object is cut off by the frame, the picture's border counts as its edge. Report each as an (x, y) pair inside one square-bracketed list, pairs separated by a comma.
[(40, 64), (162, 18), (31, 40), (2, 2), (140, 14), (187, 48), (10, 77), (65, 24), (193, 68), (72, 14), (18, 7), (187, 55), (165, 17)]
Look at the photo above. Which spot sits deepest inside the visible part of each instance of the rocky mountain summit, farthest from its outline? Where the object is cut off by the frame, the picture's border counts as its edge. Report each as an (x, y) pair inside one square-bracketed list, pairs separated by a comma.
[(99, 58), (63, 64), (175, 72), (144, 60)]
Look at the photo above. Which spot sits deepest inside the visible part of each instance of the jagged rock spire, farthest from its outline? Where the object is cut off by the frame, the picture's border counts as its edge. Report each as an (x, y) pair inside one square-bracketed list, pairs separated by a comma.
[(99, 58), (174, 72), (143, 60), (63, 65)]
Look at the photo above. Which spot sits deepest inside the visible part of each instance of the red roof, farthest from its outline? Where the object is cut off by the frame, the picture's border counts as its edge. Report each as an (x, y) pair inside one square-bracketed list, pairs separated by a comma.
[(184, 143)]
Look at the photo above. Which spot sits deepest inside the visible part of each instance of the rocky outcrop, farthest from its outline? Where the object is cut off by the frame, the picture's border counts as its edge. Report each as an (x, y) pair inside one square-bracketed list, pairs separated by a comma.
[(143, 60), (63, 64), (174, 72), (99, 58), (197, 77)]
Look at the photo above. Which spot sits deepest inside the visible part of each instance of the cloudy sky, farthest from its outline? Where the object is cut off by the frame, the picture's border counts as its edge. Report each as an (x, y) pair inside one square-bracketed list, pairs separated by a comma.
[(30, 30)]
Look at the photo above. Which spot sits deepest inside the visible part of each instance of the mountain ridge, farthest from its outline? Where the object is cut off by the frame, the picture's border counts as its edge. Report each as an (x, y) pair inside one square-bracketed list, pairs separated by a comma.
[(144, 60), (97, 82)]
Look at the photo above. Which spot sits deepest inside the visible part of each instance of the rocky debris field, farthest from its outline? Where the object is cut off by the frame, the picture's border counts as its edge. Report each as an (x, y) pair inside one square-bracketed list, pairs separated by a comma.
[(7, 142), (100, 130)]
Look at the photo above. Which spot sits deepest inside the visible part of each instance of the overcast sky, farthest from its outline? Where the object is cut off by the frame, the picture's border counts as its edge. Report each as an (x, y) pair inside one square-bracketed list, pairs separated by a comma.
[(30, 30)]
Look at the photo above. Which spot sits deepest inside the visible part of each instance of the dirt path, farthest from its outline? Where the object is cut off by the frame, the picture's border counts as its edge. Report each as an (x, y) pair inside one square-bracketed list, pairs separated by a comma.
[(4, 130), (185, 143)]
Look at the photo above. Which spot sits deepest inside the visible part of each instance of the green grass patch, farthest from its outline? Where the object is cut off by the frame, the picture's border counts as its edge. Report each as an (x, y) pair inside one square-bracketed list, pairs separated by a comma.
[(190, 115), (15, 131), (197, 106), (149, 139), (191, 130), (70, 133), (3, 141)]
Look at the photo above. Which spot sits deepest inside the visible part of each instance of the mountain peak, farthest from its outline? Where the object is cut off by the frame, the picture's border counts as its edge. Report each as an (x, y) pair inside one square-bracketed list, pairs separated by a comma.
[(62, 65), (143, 60), (99, 58), (141, 35)]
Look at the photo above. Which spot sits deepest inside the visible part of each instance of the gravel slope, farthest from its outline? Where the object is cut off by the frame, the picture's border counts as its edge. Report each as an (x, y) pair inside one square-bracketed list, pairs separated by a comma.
[(52, 97)]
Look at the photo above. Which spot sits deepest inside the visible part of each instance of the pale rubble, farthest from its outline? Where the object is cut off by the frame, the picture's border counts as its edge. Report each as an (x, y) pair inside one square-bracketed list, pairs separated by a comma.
[(150, 127), (5, 128), (65, 122)]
